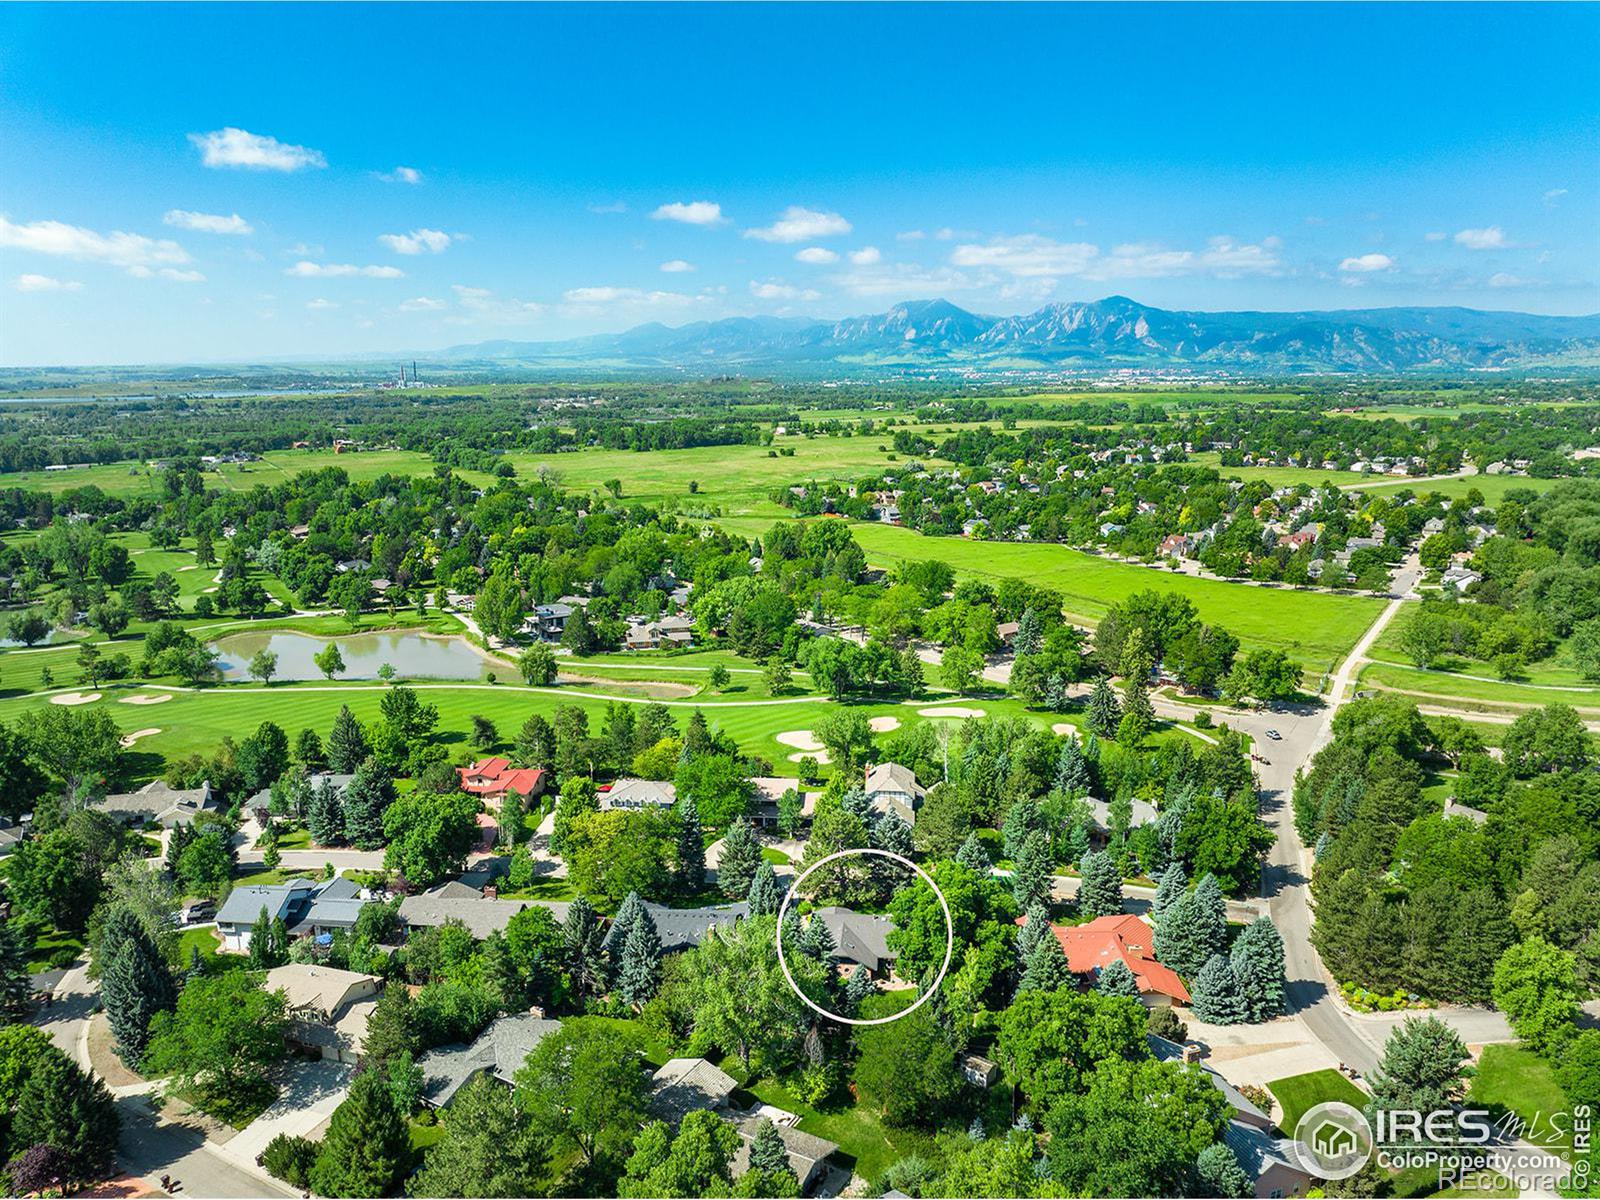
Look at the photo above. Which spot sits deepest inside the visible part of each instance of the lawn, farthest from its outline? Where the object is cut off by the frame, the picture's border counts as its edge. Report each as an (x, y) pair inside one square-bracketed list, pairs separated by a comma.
[(1297, 1094), (1513, 1079), (1446, 685), (204, 939)]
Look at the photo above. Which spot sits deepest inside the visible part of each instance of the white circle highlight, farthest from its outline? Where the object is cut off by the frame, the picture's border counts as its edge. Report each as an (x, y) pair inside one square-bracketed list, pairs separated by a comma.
[(949, 936)]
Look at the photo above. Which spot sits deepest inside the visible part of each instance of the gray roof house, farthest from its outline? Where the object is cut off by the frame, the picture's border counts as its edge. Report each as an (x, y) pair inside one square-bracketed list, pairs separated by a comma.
[(892, 788), (155, 801), (306, 906), (263, 798), (1144, 813), (807, 1152), (684, 1085), (859, 938), (500, 1050), (480, 914), (639, 793)]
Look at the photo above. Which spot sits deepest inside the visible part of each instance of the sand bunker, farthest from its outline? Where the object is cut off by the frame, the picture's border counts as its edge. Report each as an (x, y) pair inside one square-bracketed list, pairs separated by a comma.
[(1062, 729), (954, 710), (884, 724), (75, 698), (141, 698), (800, 739), (819, 756), (129, 739)]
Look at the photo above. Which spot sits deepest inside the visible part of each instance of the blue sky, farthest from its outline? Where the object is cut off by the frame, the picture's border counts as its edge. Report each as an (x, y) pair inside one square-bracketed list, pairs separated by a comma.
[(195, 183)]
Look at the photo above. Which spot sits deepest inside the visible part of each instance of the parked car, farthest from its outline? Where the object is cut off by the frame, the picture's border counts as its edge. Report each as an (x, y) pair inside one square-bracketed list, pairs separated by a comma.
[(1275, 735)]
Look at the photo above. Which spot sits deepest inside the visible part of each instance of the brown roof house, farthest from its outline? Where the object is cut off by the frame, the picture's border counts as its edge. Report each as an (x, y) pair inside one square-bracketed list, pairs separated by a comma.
[(328, 1008), (892, 788)]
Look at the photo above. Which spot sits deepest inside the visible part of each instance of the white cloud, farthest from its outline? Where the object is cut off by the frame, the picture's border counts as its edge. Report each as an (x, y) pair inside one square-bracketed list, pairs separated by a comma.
[(910, 235), (816, 255), (311, 270), (44, 283), (401, 175), (231, 147), (418, 241), (319, 304), (616, 206), (421, 304), (178, 276), (119, 249), (801, 225), (1437, 235), (1365, 264), (593, 297), (207, 222), (483, 305), (1026, 255), (1492, 238), (1553, 195), (773, 289), (902, 281), (866, 256), (677, 266), (695, 212), (1502, 280)]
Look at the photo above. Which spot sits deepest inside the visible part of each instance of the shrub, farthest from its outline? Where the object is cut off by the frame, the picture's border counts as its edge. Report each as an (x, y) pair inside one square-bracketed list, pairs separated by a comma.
[(289, 1158), (1202, 720)]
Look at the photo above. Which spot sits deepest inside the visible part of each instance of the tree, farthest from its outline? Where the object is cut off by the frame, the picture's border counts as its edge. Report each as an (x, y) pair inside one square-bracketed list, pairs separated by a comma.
[(691, 848), (21, 782), (1263, 675), (64, 1107), (52, 880), (741, 856), (498, 608), (537, 665), (1536, 986), (586, 1084), (489, 1148), (266, 951), (1105, 714), (28, 627), (135, 983), (1545, 741), (535, 744), (429, 835), (640, 974), (696, 1162), (584, 941), (347, 744), (769, 1159), (263, 756), (1173, 883), (1220, 1174), (89, 667), (219, 1040), (1422, 1069), (973, 856), (959, 668), (847, 734), (718, 678), (907, 1069), (1049, 1042), (778, 676), (325, 814), (329, 661), (1216, 994), (366, 798), (77, 745), (766, 894), (1192, 929), (1031, 880), (1116, 979), (1258, 966), (367, 1149), (484, 733), (1046, 968), (1100, 892), (263, 665)]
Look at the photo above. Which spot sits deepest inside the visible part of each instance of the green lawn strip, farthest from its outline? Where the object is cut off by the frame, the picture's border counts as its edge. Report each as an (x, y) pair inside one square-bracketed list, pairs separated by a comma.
[(1515, 1079), (1297, 1094), (1448, 686), (211, 957), (51, 949)]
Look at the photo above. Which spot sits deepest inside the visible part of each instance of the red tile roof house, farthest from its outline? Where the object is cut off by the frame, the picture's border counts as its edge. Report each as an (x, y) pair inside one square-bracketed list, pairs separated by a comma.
[(492, 778), (1100, 942)]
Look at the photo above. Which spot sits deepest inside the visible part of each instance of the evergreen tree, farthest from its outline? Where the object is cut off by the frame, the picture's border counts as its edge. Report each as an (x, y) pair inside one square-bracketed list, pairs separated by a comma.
[(817, 941), (325, 814), (367, 1149), (794, 936), (640, 975), (892, 834), (585, 948), (741, 856), (535, 744), (1045, 969), (1030, 633), (1035, 928), (1073, 773), (976, 1132), (1105, 714), (767, 1152), (1422, 1069), (1022, 819), (1179, 941), (63, 1106), (1117, 980), (1258, 965), (691, 847), (347, 744), (629, 914), (135, 983), (1220, 1174), (262, 957), (766, 894), (1174, 880), (1212, 910), (1100, 891), (15, 948), (1031, 881), (858, 985), (973, 856), (391, 1030), (513, 819), (366, 798), (1216, 994)]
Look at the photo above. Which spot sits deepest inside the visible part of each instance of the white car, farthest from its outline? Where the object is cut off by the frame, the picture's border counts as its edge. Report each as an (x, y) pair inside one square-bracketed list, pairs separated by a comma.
[(1275, 735)]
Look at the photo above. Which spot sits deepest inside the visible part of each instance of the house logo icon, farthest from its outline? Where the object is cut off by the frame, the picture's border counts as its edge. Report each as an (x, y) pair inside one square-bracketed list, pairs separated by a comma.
[(1333, 1140)]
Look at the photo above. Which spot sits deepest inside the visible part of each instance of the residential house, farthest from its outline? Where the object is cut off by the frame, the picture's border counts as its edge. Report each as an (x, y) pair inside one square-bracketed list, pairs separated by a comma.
[(481, 914), (335, 780), (979, 1071), (500, 1050), (328, 1008), (492, 778), (548, 621), (1092, 947), (1454, 808), (859, 939), (1175, 545), (891, 787), (1143, 813), (1460, 578), (685, 1085), (639, 794), (308, 908), (10, 838), (158, 803), (768, 791), (683, 928), (808, 1153)]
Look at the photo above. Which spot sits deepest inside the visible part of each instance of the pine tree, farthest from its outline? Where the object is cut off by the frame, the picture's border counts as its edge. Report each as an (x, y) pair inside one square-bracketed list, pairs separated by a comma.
[(817, 941), (261, 942), (134, 982), (347, 745), (1100, 891), (741, 856), (1034, 928), (766, 894), (629, 914), (1174, 880), (366, 799), (892, 834), (367, 1149), (1031, 881), (1220, 1174), (973, 856), (855, 803), (858, 985), (535, 744), (1117, 980), (1073, 775), (1216, 994), (1105, 714), (640, 974), (1030, 633), (794, 936), (1258, 965), (391, 1030), (325, 814), (1022, 819), (585, 948), (767, 1152), (64, 1106), (1212, 911), (691, 875), (1181, 939), (1046, 969)]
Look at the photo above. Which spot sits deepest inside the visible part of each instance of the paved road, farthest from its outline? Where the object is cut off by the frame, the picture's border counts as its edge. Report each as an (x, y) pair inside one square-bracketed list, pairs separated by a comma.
[(151, 1147)]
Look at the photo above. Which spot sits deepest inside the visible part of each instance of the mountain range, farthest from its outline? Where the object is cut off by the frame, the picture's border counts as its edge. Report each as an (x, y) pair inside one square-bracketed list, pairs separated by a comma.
[(1104, 334)]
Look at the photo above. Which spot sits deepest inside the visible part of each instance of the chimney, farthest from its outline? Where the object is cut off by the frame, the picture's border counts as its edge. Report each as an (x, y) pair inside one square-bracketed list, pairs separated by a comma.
[(491, 892)]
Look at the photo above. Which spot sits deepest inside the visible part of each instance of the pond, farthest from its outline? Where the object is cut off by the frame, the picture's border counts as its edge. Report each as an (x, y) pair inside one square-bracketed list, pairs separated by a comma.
[(412, 655)]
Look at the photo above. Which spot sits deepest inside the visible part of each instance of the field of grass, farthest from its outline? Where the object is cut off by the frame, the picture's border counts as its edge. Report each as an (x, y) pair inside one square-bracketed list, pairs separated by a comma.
[(1493, 487), (1280, 476), (1515, 1079), (1315, 628), (1297, 1094), (1445, 686)]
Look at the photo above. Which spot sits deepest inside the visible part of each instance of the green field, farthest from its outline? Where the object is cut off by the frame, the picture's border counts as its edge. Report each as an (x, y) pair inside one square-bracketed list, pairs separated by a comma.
[(1485, 691), (1317, 629), (1297, 1094), (1516, 1079)]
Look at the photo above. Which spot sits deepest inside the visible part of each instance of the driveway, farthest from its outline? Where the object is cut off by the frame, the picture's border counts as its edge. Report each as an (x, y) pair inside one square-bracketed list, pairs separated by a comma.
[(310, 1093)]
